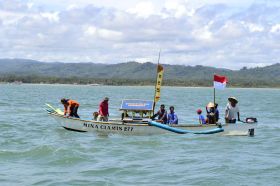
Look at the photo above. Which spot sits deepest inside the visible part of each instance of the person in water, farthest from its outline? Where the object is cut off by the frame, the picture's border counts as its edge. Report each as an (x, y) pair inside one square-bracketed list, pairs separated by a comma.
[(232, 111), (172, 117), (103, 112), (201, 118), (70, 107), (162, 114)]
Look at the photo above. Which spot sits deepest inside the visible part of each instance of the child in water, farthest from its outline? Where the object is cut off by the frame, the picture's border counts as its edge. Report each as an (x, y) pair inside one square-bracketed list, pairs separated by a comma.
[(200, 117)]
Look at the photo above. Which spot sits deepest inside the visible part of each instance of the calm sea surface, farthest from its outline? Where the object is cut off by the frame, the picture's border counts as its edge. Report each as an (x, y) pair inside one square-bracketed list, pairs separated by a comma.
[(35, 150)]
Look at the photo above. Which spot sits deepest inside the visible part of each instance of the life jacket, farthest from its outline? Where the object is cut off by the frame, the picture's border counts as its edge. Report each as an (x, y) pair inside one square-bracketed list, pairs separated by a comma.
[(73, 103)]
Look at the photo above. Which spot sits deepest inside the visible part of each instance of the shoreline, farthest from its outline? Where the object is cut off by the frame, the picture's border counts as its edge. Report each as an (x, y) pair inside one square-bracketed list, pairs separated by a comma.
[(104, 85)]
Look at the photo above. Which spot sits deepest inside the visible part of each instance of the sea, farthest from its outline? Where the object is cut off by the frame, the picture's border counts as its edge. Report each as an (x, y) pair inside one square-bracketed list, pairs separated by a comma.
[(36, 150)]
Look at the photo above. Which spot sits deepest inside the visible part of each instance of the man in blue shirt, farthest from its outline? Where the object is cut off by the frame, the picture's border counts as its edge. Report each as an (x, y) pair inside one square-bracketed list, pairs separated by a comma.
[(172, 117)]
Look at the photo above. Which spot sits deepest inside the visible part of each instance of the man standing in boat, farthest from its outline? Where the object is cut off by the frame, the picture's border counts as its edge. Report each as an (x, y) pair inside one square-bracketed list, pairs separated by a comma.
[(232, 110), (103, 112), (172, 117), (70, 107), (162, 114)]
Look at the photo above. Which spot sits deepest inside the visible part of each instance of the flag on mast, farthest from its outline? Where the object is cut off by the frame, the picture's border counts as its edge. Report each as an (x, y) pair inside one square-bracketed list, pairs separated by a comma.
[(220, 82), (158, 82)]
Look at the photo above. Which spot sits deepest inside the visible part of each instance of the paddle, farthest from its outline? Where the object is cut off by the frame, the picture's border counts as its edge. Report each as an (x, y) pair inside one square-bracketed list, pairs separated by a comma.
[(58, 111)]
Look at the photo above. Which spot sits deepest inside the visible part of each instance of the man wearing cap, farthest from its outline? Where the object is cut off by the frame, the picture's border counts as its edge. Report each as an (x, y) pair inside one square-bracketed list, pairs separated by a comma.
[(103, 112), (201, 118), (232, 110), (210, 110)]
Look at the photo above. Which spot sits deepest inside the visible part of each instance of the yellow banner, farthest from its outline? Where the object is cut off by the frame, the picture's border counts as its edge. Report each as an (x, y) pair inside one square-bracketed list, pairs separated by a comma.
[(159, 82)]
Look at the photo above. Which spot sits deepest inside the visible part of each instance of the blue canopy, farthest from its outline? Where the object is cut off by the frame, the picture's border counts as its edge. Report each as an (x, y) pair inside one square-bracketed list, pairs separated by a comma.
[(137, 105)]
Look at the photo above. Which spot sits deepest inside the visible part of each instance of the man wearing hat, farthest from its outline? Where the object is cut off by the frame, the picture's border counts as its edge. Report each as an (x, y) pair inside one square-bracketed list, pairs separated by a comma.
[(210, 110), (232, 110), (103, 112)]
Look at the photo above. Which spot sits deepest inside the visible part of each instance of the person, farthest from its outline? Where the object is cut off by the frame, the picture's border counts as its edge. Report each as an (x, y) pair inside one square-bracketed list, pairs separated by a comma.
[(162, 114), (95, 115), (70, 107), (201, 117), (124, 115), (210, 110), (172, 117), (103, 112), (217, 113), (232, 110)]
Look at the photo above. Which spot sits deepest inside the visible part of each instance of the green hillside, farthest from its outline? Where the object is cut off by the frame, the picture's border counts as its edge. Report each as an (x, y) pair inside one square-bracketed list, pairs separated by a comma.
[(133, 73)]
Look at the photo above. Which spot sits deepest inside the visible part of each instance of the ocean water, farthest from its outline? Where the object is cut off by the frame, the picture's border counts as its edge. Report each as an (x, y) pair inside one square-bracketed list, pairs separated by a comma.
[(35, 150)]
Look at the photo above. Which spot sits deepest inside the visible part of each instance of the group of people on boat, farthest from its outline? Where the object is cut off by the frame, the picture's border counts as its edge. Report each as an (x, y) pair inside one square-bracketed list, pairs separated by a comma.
[(164, 117), (212, 113), (71, 109), (212, 117)]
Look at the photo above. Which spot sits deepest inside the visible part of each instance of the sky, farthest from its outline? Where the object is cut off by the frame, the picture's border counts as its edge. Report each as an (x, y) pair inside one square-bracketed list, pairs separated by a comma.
[(218, 33)]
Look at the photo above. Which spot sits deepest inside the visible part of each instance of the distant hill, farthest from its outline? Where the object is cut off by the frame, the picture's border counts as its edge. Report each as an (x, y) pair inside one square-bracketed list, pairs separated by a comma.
[(127, 73)]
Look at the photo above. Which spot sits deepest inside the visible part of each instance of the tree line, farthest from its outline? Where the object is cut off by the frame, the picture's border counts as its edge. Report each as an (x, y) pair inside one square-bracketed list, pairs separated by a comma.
[(234, 82)]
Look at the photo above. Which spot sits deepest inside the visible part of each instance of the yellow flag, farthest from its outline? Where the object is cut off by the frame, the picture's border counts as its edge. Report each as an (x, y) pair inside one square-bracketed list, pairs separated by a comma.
[(158, 83)]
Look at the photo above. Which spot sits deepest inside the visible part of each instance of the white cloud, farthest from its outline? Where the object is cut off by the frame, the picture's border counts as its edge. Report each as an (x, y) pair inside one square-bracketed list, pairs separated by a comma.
[(178, 8), (253, 27), (205, 33), (143, 9), (51, 16), (231, 30), (103, 33), (72, 7), (275, 28)]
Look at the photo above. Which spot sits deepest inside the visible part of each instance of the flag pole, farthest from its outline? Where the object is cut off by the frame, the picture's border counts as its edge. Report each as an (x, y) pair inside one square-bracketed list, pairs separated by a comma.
[(156, 83), (214, 103), (214, 96), (214, 89)]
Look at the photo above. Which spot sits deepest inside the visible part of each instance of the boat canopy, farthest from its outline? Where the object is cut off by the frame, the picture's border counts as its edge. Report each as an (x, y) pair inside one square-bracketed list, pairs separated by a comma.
[(138, 109), (137, 105)]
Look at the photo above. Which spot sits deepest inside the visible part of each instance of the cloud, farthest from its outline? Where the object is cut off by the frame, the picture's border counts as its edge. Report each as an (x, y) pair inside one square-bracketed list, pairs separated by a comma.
[(215, 34), (51, 16), (143, 9), (102, 33), (275, 29)]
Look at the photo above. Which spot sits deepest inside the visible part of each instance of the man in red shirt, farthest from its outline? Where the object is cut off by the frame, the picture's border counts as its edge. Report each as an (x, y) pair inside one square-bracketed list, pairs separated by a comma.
[(103, 112)]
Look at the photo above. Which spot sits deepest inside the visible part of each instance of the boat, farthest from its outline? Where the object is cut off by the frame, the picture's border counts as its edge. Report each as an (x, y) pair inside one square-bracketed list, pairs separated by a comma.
[(136, 120)]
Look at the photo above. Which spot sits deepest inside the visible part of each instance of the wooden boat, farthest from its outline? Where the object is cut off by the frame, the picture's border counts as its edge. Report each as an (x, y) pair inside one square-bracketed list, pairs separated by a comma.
[(139, 125), (136, 120)]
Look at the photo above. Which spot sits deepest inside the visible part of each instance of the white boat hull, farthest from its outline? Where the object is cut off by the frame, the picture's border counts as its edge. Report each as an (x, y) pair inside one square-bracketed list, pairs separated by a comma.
[(118, 127)]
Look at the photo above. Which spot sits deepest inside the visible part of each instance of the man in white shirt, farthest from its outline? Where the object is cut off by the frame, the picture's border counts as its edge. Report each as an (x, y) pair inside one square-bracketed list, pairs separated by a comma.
[(232, 111)]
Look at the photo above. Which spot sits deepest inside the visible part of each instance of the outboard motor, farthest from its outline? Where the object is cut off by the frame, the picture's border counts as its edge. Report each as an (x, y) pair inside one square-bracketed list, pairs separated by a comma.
[(251, 120)]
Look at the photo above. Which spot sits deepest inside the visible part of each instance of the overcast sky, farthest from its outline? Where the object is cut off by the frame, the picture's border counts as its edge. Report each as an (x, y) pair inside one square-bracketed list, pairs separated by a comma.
[(219, 33)]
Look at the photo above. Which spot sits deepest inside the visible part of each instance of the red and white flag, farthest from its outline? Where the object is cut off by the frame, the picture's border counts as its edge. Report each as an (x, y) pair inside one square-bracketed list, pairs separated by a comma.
[(220, 82)]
